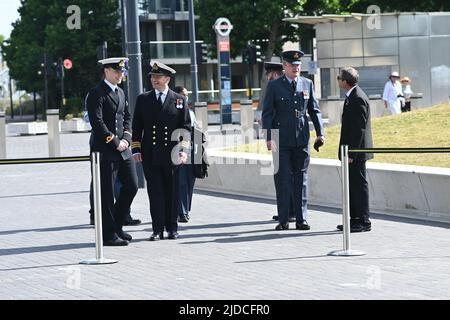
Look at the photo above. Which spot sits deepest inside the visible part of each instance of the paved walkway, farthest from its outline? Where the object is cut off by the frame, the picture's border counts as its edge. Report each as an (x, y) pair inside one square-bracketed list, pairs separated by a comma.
[(228, 250)]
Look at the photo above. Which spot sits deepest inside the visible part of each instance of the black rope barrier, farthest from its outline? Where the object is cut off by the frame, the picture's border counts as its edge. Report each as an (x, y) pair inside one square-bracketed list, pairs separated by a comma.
[(44, 160), (401, 150)]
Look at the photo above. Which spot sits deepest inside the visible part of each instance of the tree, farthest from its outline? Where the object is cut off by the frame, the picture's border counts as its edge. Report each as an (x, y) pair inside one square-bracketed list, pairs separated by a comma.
[(42, 29), (400, 6), (258, 20)]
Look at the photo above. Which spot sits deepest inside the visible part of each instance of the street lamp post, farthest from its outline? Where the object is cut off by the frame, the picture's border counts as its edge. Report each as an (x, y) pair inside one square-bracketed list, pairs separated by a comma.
[(194, 68)]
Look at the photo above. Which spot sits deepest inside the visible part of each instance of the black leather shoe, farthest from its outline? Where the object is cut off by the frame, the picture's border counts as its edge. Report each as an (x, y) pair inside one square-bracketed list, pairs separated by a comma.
[(115, 242), (92, 221), (281, 226), (132, 222), (173, 235), (184, 218), (302, 225), (357, 227), (156, 237), (125, 236)]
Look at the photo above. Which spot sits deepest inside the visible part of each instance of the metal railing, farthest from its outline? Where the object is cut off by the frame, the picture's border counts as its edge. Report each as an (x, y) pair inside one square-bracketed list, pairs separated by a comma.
[(347, 251), (95, 165)]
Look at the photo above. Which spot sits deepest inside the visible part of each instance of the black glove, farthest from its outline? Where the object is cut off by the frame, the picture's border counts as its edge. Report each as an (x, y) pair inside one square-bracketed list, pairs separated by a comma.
[(317, 144)]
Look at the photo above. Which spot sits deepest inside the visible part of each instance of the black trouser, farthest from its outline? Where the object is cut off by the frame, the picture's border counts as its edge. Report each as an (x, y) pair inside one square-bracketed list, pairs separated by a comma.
[(117, 187), (291, 182), (407, 106), (114, 213), (186, 188), (163, 194), (359, 192)]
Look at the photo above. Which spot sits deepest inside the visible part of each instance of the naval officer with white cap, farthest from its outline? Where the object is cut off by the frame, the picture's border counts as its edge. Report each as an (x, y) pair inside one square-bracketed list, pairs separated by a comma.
[(161, 140), (111, 136)]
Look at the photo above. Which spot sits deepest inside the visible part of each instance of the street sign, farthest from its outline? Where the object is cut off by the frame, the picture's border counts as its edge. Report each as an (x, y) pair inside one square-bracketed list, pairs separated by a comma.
[(68, 64), (312, 67), (223, 28)]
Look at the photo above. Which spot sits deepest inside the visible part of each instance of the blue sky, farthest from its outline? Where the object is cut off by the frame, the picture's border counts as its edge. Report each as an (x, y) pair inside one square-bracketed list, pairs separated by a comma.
[(8, 14)]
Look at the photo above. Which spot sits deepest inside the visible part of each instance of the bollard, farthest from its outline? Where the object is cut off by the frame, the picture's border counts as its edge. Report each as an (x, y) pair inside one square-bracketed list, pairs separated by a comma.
[(201, 113), (247, 117), (2, 136), (347, 251), (54, 146), (95, 165)]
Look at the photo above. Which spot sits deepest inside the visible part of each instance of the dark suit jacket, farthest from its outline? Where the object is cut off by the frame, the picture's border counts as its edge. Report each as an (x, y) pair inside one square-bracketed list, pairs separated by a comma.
[(356, 131), (110, 119), (282, 104), (153, 127)]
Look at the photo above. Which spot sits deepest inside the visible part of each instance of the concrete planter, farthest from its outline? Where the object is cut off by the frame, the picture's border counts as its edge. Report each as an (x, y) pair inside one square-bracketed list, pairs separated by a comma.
[(27, 128), (75, 125)]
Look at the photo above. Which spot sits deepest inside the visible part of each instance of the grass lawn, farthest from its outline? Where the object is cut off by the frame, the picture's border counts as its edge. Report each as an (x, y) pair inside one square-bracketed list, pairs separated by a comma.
[(428, 127)]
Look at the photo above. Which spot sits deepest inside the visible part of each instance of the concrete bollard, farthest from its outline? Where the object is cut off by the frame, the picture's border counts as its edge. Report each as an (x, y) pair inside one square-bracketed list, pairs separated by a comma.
[(54, 145), (247, 117), (201, 113), (2, 136)]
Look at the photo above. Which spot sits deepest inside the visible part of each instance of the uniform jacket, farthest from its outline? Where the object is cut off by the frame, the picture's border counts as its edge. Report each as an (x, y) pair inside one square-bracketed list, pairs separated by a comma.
[(356, 131), (153, 127), (110, 120), (287, 111)]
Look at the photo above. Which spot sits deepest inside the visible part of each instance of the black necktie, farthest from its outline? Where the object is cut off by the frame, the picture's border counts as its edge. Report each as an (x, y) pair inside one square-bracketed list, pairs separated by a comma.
[(294, 85), (160, 99), (116, 91)]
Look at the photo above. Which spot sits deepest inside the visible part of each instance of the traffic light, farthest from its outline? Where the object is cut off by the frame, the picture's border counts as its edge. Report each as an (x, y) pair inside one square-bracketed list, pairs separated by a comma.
[(254, 53), (246, 56), (202, 53)]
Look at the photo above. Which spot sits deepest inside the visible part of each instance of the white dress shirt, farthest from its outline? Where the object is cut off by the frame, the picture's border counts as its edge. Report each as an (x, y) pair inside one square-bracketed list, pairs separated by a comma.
[(164, 94)]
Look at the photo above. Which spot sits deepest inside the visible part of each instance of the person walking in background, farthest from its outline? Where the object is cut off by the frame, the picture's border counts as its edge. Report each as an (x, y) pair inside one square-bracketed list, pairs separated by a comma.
[(161, 140), (407, 92), (186, 171), (111, 136), (288, 102), (392, 94), (356, 133)]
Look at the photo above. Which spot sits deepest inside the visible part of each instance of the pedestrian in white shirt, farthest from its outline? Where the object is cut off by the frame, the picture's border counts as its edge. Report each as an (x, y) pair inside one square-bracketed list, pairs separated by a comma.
[(407, 92), (393, 94)]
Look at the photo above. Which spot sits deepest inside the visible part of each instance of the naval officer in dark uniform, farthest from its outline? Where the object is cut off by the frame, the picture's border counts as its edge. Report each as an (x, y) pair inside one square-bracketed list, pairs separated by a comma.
[(161, 141), (111, 136), (288, 101)]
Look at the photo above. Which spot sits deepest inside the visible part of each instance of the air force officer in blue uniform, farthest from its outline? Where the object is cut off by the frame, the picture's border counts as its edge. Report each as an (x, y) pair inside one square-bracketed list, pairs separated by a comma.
[(288, 101)]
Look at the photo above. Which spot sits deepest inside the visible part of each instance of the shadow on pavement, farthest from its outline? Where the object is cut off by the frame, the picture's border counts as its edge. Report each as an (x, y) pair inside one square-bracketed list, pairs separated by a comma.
[(51, 229), (57, 247)]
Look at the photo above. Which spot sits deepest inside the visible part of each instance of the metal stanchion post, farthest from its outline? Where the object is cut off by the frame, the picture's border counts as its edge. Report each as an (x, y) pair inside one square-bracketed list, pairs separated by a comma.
[(247, 117), (2, 136), (95, 164), (201, 113), (54, 145), (347, 251)]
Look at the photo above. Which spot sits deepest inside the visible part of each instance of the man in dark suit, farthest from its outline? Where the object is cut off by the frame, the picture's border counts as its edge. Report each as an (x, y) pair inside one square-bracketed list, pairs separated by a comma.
[(356, 133), (161, 141), (111, 136), (287, 102)]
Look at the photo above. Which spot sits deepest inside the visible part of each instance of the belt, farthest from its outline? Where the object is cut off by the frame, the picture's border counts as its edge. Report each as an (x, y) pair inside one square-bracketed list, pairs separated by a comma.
[(298, 114)]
